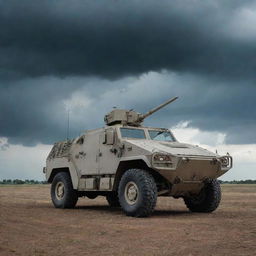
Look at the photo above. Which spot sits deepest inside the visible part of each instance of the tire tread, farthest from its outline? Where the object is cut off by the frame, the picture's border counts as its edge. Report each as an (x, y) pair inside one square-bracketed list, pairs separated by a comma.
[(148, 192), (71, 196), (211, 201)]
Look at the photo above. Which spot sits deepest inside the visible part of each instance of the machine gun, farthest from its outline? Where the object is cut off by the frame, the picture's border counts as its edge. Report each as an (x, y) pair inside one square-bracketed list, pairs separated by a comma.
[(130, 117)]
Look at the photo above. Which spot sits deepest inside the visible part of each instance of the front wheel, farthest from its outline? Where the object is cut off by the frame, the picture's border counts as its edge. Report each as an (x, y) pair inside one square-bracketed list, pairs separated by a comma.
[(62, 193), (137, 193), (208, 199)]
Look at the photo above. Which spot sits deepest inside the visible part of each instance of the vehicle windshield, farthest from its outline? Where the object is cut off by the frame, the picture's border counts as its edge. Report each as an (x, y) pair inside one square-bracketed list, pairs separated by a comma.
[(132, 133), (161, 135)]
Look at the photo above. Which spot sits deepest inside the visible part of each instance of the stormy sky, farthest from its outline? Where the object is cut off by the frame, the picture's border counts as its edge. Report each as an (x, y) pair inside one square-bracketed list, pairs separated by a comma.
[(86, 57)]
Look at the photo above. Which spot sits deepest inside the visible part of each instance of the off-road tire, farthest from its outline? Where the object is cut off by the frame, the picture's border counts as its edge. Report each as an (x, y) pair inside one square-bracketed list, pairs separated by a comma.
[(69, 197), (112, 199), (208, 200), (147, 193)]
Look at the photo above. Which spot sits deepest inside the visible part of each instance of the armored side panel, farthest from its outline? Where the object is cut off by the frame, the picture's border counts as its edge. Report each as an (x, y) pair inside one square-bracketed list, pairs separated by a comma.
[(59, 157), (120, 116), (60, 149)]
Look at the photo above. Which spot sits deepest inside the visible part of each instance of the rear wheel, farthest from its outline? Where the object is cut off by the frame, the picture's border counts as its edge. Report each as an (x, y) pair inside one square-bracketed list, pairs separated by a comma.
[(137, 193), (207, 200), (112, 199), (62, 193)]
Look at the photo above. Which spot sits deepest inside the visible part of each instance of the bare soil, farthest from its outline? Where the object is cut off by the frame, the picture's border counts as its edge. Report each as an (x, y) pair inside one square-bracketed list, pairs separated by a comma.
[(30, 225)]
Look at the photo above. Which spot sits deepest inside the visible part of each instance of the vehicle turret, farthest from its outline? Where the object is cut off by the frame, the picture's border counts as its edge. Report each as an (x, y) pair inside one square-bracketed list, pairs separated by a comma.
[(131, 117)]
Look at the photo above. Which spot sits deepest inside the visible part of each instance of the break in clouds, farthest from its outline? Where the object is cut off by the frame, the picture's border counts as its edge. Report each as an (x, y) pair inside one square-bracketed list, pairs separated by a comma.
[(88, 56)]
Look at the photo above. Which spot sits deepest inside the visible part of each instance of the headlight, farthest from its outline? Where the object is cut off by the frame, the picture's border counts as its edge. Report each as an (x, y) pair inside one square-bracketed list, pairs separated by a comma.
[(164, 161), (162, 158), (224, 161)]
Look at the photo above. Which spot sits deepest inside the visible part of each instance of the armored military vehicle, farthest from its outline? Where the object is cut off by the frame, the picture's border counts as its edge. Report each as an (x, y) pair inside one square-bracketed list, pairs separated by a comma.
[(132, 165)]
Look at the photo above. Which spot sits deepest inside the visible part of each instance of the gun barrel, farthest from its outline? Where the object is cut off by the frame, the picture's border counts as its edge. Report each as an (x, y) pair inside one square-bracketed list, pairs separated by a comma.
[(150, 112)]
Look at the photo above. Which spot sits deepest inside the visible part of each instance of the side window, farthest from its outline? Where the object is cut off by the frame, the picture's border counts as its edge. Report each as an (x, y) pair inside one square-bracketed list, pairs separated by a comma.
[(132, 133)]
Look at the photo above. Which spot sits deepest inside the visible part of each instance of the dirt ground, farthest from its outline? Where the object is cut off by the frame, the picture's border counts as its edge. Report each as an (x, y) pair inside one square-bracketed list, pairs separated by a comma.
[(30, 225)]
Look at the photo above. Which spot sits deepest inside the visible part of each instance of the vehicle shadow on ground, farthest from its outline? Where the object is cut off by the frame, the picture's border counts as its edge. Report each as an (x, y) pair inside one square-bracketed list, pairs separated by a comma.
[(118, 210), (99, 208), (170, 213)]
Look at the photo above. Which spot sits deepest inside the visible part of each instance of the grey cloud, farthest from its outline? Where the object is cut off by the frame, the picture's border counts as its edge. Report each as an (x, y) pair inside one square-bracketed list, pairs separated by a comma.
[(35, 110)]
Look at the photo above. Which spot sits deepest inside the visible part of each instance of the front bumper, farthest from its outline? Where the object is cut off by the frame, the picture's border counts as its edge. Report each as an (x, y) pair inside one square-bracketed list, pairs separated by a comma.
[(192, 169)]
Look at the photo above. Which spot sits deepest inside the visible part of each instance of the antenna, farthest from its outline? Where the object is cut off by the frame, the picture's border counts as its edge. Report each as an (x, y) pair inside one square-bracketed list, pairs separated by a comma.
[(68, 125)]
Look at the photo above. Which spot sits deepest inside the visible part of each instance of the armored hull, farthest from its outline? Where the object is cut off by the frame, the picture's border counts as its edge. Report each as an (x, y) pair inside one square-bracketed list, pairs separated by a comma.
[(132, 164)]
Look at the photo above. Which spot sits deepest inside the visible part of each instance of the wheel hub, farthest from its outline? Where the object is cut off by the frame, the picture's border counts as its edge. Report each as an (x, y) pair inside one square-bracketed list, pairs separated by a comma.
[(59, 190), (131, 193)]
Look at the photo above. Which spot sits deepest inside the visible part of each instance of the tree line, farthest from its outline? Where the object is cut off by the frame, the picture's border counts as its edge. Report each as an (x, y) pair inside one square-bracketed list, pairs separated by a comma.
[(238, 182), (19, 182)]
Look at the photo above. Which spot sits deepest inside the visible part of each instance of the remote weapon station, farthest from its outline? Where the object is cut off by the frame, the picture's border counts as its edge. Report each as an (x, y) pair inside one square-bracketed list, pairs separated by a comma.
[(132, 165)]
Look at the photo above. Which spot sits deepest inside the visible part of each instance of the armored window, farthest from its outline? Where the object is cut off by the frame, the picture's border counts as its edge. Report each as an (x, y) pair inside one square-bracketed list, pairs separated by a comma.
[(161, 135), (132, 133)]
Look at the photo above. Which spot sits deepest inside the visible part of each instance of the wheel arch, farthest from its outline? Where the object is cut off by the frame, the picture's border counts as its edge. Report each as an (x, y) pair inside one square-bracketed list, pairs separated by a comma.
[(55, 171), (73, 175), (62, 165), (134, 164)]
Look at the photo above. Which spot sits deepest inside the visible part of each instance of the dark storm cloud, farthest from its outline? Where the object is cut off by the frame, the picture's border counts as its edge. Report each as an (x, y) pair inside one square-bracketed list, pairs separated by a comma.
[(119, 38), (90, 56), (34, 110)]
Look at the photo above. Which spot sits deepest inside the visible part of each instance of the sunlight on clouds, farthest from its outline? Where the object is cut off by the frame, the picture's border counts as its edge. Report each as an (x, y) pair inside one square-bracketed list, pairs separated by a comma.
[(192, 135), (242, 24), (144, 85), (76, 102)]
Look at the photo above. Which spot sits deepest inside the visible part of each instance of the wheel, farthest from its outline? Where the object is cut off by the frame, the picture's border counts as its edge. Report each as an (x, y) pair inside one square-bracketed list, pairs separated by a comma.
[(62, 193), (208, 199), (137, 193), (112, 199)]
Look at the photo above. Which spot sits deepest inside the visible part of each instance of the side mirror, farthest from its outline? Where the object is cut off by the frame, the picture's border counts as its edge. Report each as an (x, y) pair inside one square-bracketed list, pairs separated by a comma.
[(110, 137)]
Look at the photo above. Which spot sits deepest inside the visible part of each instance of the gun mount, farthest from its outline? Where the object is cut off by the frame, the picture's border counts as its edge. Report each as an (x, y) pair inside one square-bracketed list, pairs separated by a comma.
[(130, 117)]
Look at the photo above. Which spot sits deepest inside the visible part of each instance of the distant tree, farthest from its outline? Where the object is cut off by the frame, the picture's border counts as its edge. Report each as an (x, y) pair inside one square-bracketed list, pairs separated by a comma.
[(18, 182), (238, 182)]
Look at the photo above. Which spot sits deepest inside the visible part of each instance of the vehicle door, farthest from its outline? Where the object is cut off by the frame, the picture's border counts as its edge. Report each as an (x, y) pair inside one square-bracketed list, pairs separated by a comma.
[(86, 153), (108, 159)]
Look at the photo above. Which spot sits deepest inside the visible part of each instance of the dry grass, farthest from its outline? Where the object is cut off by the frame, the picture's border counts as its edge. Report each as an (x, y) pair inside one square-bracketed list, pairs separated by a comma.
[(29, 225)]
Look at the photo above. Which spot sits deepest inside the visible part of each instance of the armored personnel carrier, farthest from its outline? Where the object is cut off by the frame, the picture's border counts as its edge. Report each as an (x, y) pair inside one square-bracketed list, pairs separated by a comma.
[(132, 165)]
